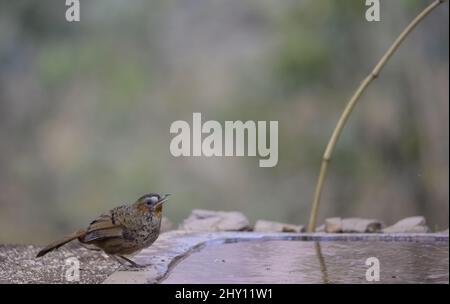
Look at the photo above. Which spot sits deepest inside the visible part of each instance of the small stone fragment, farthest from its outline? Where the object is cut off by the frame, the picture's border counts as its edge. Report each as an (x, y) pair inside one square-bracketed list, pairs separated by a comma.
[(333, 225), (361, 225), (269, 226), (320, 228), (414, 224), (207, 220), (352, 225)]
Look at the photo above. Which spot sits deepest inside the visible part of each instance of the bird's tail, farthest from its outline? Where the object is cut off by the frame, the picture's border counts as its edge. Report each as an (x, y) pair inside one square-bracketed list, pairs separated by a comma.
[(61, 242)]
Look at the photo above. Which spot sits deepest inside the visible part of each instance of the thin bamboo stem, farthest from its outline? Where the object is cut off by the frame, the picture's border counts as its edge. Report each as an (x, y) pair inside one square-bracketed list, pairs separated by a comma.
[(351, 104)]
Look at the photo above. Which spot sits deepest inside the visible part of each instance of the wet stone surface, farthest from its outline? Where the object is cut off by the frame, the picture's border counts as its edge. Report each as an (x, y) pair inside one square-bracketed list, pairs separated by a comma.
[(19, 265), (241, 257), (281, 261)]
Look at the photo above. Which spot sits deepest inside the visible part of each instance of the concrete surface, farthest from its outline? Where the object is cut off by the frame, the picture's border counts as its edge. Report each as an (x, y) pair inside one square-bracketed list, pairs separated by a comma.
[(19, 265)]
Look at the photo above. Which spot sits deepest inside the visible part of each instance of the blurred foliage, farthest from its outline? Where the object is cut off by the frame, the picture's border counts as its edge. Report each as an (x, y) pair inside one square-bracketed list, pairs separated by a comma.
[(85, 109)]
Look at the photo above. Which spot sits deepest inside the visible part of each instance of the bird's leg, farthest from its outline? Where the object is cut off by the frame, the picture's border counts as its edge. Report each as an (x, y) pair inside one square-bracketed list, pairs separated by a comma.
[(134, 264), (117, 259), (130, 265)]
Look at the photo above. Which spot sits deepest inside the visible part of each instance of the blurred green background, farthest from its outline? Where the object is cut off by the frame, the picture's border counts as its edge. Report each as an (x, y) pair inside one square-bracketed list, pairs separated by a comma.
[(85, 109)]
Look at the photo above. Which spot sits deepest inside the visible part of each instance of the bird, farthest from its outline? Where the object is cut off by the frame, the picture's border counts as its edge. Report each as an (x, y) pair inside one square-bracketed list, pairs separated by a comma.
[(122, 231)]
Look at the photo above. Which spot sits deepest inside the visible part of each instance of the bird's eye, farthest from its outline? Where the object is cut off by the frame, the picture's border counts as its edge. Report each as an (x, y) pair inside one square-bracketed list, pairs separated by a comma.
[(152, 200)]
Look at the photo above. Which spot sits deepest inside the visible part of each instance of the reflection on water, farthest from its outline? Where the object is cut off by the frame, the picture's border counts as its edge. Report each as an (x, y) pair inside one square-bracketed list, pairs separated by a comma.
[(323, 265), (313, 262)]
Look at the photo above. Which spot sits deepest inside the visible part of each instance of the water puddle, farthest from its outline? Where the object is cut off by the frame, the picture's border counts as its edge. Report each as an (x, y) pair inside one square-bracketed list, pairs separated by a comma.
[(289, 261)]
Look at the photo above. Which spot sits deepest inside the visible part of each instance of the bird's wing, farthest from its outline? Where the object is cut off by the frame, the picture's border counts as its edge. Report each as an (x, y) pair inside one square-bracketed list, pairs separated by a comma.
[(105, 226)]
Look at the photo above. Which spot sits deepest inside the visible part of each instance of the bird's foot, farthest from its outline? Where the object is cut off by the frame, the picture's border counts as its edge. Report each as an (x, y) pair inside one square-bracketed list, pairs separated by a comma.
[(132, 267), (130, 264)]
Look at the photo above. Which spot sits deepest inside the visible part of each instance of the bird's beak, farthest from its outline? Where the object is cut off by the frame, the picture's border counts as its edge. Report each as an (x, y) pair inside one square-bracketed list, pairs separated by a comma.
[(164, 198)]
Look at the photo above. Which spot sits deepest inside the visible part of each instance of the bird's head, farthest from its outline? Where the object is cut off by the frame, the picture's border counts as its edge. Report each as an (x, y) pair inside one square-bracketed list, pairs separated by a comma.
[(152, 202)]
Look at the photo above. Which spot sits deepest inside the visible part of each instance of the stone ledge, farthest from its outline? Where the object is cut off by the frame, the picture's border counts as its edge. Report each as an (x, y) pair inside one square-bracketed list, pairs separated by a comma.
[(173, 246)]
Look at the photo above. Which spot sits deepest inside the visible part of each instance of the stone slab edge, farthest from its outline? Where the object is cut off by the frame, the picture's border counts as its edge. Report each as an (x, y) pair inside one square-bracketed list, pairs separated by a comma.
[(173, 246)]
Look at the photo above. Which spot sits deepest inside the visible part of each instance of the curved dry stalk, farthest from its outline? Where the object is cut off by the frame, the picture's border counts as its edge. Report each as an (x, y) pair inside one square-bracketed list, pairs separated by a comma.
[(351, 104)]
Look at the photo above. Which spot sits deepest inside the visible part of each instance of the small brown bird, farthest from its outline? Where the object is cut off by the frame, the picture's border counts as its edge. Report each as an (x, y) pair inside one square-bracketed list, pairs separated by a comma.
[(123, 230)]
